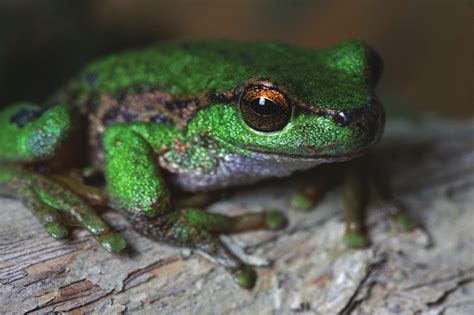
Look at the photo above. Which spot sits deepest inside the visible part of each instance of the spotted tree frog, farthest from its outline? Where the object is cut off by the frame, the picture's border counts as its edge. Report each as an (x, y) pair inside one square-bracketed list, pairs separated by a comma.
[(194, 117)]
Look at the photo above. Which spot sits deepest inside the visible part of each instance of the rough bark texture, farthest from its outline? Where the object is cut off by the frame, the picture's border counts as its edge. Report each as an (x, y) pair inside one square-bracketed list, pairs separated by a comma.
[(304, 269)]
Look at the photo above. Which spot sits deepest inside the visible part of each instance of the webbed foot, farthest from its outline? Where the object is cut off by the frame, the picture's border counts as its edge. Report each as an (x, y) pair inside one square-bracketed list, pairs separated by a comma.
[(198, 229), (405, 222), (53, 205), (356, 239)]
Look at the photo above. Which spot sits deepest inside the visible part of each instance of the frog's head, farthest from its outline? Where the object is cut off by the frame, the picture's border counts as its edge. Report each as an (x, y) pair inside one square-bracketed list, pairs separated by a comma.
[(297, 102)]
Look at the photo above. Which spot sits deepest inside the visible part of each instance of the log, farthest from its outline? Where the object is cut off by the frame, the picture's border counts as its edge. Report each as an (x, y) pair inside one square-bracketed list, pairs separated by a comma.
[(303, 269)]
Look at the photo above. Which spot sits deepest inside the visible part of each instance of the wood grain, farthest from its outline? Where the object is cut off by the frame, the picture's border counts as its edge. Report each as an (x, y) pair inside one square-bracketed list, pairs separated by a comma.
[(303, 269)]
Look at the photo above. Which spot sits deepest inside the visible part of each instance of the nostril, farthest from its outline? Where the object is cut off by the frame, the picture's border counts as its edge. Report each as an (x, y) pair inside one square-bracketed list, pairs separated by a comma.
[(342, 118)]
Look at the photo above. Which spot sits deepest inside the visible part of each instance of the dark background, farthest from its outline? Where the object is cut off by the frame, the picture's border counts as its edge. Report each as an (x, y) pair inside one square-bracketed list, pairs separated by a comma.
[(427, 45)]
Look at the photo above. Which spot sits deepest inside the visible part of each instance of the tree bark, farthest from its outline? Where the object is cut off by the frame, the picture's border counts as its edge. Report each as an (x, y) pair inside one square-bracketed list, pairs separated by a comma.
[(303, 269)]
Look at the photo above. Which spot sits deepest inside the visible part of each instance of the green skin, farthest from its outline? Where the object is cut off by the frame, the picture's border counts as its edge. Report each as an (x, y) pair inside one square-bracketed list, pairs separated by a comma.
[(334, 117)]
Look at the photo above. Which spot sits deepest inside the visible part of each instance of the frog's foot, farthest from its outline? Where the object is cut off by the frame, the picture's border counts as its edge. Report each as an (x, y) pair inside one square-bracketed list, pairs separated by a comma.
[(94, 196), (354, 239), (395, 209), (405, 222), (299, 201), (51, 202), (200, 230), (402, 220), (308, 197)]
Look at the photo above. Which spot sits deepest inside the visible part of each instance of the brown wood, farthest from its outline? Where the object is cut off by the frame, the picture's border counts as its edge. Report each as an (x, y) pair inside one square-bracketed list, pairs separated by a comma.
[(420, 272)]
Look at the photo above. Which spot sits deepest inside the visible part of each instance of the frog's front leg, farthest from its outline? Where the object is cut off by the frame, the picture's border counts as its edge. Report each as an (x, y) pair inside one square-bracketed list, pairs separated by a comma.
[(31, 135), (315, 187), (138, 189), (361, 187), (355, 191), (50, 201)]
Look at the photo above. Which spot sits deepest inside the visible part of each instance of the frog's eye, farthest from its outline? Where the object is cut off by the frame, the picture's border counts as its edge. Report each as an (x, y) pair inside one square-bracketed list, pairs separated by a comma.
[(264, 109)]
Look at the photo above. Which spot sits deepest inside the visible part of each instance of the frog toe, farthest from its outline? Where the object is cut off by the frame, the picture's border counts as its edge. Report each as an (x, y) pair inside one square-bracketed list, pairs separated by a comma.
[(405, 222), (299, 201), (113, 242), (56, 230), (356, 239), (245, 277), (275, 220)]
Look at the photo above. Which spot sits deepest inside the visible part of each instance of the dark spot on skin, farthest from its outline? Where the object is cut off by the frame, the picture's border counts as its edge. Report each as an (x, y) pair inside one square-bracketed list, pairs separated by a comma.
[(94, 179), (91, 78), (111, 116), (120, 96), (128, 115), (215, 97), (25, 116), (170, 106), (161, 119), (149, 106), (161, 100), (181, 104)]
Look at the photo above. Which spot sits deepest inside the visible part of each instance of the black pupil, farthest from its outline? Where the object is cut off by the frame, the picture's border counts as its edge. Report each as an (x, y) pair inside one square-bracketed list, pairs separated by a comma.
[(263, 106)]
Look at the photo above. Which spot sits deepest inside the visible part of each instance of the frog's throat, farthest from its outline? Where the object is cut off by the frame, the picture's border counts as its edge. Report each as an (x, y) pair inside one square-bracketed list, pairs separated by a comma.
[(234, 169)]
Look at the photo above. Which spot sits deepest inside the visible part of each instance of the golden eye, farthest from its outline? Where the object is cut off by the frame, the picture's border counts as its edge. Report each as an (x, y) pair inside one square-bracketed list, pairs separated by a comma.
[(264, 109)]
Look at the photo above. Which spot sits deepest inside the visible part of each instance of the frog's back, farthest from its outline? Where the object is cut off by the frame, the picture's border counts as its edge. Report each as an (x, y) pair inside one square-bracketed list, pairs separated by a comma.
[(169, 83), (165, 83)]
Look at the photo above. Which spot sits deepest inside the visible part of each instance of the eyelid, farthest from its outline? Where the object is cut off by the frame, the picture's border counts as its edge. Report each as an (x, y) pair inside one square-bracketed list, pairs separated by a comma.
[(272, 94)]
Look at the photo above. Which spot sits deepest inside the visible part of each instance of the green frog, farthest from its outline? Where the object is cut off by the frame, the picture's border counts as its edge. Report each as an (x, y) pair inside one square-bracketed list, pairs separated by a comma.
[(194, 117)]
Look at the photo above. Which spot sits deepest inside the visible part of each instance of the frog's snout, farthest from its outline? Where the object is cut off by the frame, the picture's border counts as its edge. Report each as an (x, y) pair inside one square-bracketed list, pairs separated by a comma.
[(370, 124), (367, 124)]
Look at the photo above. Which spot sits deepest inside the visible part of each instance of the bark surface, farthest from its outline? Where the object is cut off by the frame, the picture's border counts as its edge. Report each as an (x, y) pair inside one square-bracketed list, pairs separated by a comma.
[(304, 269)]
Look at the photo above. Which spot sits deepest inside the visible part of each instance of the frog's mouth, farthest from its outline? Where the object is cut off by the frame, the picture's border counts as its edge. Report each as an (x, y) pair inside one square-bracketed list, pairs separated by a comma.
[(316, 159)]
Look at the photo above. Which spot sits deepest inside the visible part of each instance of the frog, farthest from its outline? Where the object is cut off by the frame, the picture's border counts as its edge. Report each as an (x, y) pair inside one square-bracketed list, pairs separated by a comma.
[(195, 117)]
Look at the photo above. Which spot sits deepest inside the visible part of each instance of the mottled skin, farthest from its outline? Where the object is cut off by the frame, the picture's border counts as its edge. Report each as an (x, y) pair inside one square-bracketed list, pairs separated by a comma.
[(192, 116)]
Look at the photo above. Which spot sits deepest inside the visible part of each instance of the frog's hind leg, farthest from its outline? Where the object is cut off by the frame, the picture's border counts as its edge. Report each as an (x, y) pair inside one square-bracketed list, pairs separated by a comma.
[(380, 194), (48, 217), (361, 186), (355, 192), (199, 229), (315, 187), (50, 200)]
